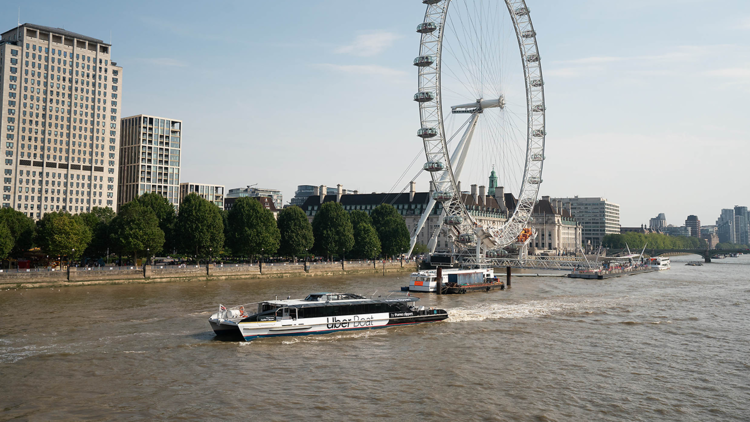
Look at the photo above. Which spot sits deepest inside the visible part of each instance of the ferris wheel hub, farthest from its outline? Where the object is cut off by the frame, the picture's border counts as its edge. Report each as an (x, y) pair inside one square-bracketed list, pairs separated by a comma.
[(479, 106)]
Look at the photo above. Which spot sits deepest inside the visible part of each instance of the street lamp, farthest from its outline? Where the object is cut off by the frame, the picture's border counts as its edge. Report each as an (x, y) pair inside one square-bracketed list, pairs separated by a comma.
[(148, 255)]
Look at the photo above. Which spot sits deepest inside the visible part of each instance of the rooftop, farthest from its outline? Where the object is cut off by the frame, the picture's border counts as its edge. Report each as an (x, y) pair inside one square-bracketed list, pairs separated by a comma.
[(58, 31)]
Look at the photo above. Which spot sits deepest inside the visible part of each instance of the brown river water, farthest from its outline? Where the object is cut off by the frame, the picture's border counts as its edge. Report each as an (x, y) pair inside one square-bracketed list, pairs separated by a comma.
[(673, 345)]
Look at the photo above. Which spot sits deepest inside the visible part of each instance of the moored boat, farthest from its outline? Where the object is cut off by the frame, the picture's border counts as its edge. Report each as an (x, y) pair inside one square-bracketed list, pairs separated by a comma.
[(660, 263), (455, 280), (321, 313), (695, 264)]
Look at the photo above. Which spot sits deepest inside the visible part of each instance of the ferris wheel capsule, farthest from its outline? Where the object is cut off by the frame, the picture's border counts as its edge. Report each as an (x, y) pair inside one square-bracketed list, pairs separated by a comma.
[(434, 166), (424, 61), (427, 132), (423, 97), (538, 108), (431, 1), (522, 11), (453, 220), (538, 133), (442, 196), (535, 180), (465, 238), (426, 27), (537, 157)]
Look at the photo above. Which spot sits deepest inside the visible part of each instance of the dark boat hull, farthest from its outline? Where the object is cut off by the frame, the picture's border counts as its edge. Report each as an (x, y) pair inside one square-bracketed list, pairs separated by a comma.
[(480, 287)]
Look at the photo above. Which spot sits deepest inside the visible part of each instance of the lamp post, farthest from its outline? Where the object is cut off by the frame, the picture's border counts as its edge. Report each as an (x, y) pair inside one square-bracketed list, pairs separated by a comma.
[(210, 254), (148, 255)]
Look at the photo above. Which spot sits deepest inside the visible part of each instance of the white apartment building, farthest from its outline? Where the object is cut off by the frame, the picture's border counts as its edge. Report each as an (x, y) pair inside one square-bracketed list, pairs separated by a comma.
[(150, 158), (598, 217), (60, 115), (211, 193), (252, 192)]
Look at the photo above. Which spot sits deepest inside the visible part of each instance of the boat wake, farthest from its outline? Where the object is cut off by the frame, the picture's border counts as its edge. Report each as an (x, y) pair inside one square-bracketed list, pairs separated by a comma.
[(532, 309)]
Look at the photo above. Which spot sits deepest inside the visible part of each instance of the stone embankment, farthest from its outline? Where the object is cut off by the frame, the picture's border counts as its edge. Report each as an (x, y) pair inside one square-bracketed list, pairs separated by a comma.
[(79, 276)]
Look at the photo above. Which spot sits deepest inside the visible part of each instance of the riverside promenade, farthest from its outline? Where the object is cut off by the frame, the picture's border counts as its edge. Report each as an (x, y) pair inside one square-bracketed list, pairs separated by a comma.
[(82, 276)]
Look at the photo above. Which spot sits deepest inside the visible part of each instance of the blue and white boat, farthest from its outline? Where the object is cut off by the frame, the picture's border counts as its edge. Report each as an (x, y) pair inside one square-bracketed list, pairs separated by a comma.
[(321, 313)]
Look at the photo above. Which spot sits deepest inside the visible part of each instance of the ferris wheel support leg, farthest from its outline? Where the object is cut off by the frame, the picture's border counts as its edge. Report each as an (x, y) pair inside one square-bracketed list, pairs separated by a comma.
[(432, 245), (420, 225), (462, 151)]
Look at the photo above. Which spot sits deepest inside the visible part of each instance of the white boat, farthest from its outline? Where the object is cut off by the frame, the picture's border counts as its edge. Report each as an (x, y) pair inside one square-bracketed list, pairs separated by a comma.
[(660, 262), (321, 313), (427, 281)]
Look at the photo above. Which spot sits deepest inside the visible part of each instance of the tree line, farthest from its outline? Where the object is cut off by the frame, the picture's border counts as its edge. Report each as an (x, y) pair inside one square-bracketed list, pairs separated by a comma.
[(149, 226), (653, 240)]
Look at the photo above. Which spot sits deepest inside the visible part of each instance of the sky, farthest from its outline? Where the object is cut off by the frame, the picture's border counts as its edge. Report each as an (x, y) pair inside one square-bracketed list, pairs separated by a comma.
[(646, 99)]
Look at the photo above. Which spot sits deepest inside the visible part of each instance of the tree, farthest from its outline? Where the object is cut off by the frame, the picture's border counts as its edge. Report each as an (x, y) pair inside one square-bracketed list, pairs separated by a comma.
[(166, 215), (420, 248), (6, 240), (332, 230), (136, 230), (199, 229), (98, 221), (391, 228), (62, 234), (296, 232), (252, 229), (366, 241), (21, 229)]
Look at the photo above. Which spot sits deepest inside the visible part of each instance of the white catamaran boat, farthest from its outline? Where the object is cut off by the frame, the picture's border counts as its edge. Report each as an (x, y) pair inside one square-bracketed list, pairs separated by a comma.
[(456, 279), (321, 313), (661, 263)]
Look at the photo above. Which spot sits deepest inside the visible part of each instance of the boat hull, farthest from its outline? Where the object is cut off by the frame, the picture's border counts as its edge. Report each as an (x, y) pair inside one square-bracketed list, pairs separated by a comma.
[(334, 325)]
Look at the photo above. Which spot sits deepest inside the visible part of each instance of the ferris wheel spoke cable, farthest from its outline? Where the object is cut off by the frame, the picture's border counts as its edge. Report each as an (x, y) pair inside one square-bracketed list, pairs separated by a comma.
[(419, 154)]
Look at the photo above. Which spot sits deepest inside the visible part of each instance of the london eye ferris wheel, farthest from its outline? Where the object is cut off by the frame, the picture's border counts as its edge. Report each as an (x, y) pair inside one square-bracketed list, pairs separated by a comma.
[(481, 104)]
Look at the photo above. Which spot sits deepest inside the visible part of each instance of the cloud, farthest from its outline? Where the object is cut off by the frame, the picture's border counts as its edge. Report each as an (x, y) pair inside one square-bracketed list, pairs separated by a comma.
[(370, 44), (732, 76), (678, 61), (164, 62), (369, 70)]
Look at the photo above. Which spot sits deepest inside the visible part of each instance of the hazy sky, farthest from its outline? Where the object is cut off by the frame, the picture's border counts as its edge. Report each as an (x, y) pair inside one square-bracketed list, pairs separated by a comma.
[(647, 99)]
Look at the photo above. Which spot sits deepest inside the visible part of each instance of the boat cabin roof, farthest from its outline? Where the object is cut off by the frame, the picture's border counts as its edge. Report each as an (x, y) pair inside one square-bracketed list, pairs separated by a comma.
[(328, 299)]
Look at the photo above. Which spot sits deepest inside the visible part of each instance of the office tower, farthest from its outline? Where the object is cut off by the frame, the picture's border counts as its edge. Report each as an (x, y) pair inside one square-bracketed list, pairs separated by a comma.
[(726, 226), (150, 158), (59, 95), (598, 217), (694, 224)]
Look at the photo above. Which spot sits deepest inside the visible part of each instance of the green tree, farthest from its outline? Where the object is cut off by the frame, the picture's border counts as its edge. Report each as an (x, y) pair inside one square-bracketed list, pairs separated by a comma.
[(332, 230), (166, 215), (391, 228), (6, 240), (420, 248), (21, 229), (136, 230), (296, 232), (98, 221), (252, 229), (62, 234), (199, 229), (366, 241)]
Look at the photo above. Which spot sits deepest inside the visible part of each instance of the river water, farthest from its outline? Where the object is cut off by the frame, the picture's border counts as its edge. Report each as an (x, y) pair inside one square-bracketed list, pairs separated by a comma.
[(673, 345)]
